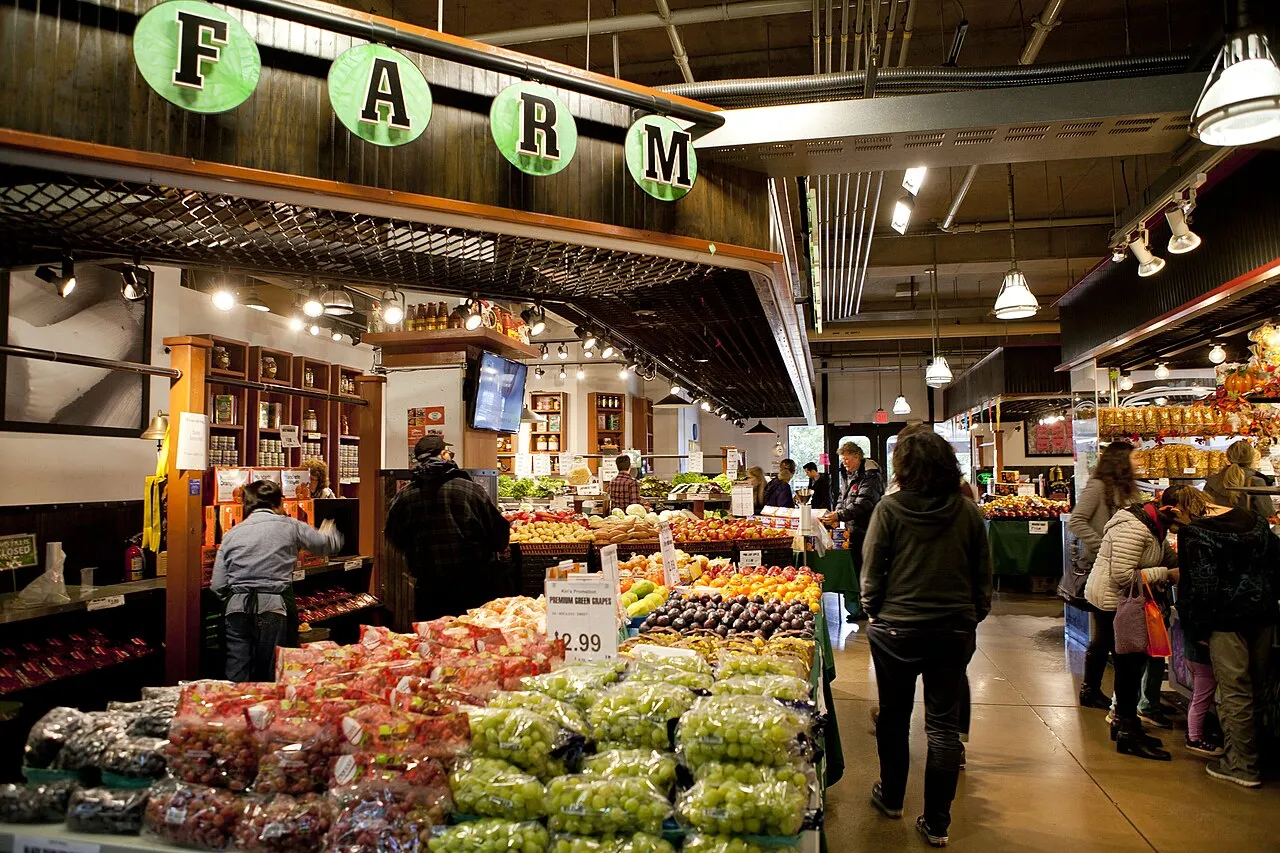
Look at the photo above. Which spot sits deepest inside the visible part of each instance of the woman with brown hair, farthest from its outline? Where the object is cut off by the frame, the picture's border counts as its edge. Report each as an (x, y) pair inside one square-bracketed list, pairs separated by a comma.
[(1242, 471), (1111, 489), (755, 476)]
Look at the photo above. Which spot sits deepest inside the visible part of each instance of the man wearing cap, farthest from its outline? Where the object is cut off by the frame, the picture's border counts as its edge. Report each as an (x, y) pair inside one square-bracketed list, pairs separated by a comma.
[(449, 532)]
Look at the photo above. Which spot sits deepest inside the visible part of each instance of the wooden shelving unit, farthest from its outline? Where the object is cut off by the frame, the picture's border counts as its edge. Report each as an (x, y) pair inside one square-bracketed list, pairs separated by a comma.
[(552, 405), (227, 405), (642, 424), (412, 349), (506, 445), (344, 444), (315, 441), (262, 435), (606, 425)]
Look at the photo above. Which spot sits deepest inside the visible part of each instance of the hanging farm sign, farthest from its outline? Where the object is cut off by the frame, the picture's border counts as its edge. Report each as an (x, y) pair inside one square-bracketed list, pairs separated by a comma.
[(199, 57), (196, 56), (379, 95)]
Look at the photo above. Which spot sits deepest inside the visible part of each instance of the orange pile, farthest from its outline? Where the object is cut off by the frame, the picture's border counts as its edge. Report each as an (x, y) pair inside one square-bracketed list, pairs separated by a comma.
[(802, 588)]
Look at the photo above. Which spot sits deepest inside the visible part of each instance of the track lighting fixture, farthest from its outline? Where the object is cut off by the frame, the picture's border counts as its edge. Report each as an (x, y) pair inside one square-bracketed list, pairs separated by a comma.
[(1240, 102), (135, 283), (588, 338), (336, 335), (337, 302), (581, 374), (623, 373), (392, 306), (564, 374), (64, 281), (355, 339), (706, 405), (676, 389), (1162, 371), (312, 306), (562, 352), (586, 353), (913, 179), (295, 323), (254, 302), (1183, 239), (902, 213), (1217, 355), (545, 352), (1119, 253), (315, 330), (538, 373), (607, 351), (535, 317), (474, 318), (1126, 382), (1148, 264), (223, 296)]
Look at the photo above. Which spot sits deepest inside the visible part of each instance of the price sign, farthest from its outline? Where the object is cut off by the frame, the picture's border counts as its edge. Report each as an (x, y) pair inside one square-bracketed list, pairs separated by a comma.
[(560, 503), (608, 468), (193, 442), (524, 466), (670, 565), (695, 461), (352, 564), (750, 558), (583, 612), (542, 465), (609, 564), (299, 575), (289, 436), (1037, 528), (589, 490), (744, 500), (37, 844), (566, 463), (105, 603), (731, 462), (1026, 490), (1162, 483)]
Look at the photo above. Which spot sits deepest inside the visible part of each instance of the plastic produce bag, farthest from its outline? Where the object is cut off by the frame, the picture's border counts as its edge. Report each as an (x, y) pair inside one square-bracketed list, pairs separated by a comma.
[(745, 664), (732, 808), (638, 715), (211, 741), (490, 787), (135, 757), (297, 755), (752, 729), (576, 683), (595, 805), (637, 842), (421, 695), (540, 703), (388, 768), (149, 717), (86, 748), (664, 673), (193, 815), (490, 836), (50, 732), (378, 728), (106, 811), (530, 741), (657, 767), (800, 775), (787, 688), (35, 803), (284, 824), (384, 818), (49, 587), (645, 653), (698, 842)]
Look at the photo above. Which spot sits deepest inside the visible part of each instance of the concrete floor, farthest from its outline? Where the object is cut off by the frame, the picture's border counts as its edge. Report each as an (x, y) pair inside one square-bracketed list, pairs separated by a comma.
[(1042, 773)]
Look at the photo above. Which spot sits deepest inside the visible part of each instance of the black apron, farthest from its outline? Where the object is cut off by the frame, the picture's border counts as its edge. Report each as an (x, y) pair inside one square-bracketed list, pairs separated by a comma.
[(285, 591)]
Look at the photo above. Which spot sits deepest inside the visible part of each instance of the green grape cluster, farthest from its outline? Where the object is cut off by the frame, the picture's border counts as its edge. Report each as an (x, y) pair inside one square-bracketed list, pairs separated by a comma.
[(639, 842), (738, 663), (662, 656), (785, 687), (800, 776), (490, 787), (658, 767), (521, 737), (595, 805), (576, 683), (751, 729), (701, 843), (491, 836), (661, 673), (732, 808), (540, 703), (636, 715)]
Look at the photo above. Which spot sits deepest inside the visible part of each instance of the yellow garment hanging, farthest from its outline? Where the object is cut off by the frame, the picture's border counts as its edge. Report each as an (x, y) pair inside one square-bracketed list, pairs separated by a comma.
[(151, 505)]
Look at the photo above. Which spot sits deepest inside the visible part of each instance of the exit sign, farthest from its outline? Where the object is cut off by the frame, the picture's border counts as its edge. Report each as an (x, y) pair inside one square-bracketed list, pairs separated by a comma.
[(880, 417)]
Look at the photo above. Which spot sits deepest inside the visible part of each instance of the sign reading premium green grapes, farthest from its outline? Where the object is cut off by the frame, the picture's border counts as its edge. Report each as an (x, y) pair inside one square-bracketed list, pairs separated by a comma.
[(533, 129), (660, 157), (380, 95), (197, 56)]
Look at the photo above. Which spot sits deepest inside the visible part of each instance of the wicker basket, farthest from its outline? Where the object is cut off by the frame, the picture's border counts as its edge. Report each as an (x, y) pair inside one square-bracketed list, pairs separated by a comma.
[(532, 560)]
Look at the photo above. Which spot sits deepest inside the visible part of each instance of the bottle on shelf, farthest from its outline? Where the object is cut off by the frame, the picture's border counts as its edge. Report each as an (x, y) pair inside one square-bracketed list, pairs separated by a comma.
[(553, 443), (455, 322), (440, 319)]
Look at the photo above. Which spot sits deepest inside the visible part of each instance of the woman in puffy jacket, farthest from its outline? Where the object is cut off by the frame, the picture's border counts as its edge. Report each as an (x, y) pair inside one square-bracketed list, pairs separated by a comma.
[(1133, 541)]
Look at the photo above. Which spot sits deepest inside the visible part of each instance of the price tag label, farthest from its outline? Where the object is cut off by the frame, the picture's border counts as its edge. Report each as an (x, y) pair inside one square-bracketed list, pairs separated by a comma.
[(1026, 490), (105, 603), (560, 503), (583, 612), (1162, 483), (695, 461), (589, 490), (352, 564), (670, 565), (299, 575), (524, 465), (289, 436), (744, 501), (566, 463), (608, 468), (1190, 471), (542, 465), (609, 565), (37, 844), (1037, 528), (731, 462), (750, 558)]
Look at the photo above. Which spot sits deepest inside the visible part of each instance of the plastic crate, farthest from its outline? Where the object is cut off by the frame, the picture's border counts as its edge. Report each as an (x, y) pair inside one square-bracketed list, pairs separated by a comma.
[(532, 560), (709, 549)]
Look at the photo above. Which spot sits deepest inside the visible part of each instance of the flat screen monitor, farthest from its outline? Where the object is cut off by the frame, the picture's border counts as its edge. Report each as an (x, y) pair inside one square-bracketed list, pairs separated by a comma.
[(497, 393)]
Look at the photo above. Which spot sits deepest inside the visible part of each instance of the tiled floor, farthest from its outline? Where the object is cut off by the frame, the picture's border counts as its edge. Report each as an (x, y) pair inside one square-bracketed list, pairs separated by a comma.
[(1042, 773)]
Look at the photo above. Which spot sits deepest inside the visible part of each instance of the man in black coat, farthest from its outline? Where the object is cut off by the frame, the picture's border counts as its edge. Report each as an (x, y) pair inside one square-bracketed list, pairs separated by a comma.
[(863, 488), (820, 485), (449, 532)]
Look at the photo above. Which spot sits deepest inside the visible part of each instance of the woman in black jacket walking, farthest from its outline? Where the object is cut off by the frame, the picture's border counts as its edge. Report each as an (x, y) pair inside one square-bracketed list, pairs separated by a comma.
[(926, 585)]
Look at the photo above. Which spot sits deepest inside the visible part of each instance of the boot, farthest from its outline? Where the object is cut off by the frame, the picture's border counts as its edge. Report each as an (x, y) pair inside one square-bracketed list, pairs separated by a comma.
[(1131, 740), (1092, 697)]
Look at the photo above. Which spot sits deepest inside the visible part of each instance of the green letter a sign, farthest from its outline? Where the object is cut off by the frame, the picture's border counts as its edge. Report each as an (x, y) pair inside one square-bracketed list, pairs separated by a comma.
[(380, 95)]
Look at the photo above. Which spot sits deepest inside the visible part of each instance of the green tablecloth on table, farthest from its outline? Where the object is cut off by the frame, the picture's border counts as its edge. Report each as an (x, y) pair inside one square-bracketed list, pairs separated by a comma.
[(826, 661), (1015, 550), (836, 568)]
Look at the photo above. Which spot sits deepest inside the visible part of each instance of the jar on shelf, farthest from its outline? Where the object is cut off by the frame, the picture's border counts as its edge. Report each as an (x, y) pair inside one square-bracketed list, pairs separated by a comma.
[(221, 358), (308, 378), (310, 422), (269, 368), (542, 444), (553, 443)]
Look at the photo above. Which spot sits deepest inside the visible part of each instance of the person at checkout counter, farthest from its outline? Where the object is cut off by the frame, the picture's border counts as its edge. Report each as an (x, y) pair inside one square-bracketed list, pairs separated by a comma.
[(319, 478)]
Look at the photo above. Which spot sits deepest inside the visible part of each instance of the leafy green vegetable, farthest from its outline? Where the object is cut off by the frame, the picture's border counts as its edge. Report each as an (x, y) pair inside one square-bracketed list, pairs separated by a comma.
[(723, 481), (689, 477)]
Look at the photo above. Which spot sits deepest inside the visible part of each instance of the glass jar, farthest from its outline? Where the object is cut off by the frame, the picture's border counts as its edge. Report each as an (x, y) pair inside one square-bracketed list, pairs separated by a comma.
[(553, 444), (269, 367), (309, 378), (309, 421), (542, 444)]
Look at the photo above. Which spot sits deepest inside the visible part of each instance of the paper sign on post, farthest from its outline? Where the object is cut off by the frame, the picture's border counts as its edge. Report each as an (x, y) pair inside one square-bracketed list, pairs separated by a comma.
[(589, 490), (524, 466), (670, 564), (193, 442), (608, 468), (542, 464), (1037, 528), (731, 462), (289, 436), (1026, 490), (695, 461), (609, 564), (750, 558), (583, 612), (744, 500)]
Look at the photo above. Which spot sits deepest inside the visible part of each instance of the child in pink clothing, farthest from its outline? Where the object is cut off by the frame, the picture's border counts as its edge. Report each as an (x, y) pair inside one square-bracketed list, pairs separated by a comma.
[(1203, 684)]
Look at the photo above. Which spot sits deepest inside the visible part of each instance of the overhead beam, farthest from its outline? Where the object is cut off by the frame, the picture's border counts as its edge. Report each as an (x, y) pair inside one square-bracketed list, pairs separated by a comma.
[(842, 332), (1060, 121)]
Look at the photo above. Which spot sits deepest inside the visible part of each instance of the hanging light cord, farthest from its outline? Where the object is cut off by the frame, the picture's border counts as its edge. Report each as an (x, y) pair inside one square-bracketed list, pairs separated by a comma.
[(899, 367), (1013, 245)]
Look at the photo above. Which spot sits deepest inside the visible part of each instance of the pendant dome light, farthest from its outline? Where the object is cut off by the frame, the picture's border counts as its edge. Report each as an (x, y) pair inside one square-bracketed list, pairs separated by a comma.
[(1162, 371), (938, 373), (900, 405), (1015, 300), (336, 302), (1240, 102)]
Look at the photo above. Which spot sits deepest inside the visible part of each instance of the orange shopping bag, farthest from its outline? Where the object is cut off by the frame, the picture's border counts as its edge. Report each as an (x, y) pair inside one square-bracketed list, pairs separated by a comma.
[(1158, 645)]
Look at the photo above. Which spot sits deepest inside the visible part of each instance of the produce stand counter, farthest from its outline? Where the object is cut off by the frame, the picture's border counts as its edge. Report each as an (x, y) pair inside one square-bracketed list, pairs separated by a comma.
[(1025, 547), (836, 568)]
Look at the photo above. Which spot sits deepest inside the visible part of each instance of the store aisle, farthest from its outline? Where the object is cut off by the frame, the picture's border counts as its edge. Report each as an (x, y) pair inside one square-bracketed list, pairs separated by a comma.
[(1042, 774)]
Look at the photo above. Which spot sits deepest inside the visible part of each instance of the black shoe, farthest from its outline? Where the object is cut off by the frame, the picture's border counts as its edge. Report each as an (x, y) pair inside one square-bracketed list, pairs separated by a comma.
[(935, 839), (964, 756), (1157, 719), (1203, 747), (1135, 732), (1139, 746), (1092, 697), (877, 800), (851, 619)]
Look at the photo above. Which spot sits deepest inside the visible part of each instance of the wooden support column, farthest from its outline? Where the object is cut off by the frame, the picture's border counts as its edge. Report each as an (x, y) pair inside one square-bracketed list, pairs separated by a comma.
[(369, 428), (185, 508)]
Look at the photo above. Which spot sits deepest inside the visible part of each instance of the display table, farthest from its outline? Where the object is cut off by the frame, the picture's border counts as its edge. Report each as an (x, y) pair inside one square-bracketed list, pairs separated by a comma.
[(1020, 547), (824, 668), (836, 568)]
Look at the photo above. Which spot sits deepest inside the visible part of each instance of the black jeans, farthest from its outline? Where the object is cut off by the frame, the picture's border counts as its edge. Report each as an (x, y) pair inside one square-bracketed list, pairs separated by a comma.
[(939, 653), (1100, 646), (252, 639)]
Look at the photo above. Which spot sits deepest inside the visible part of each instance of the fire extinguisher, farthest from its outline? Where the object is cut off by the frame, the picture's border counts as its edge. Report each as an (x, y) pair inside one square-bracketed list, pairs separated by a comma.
[(134, 563)]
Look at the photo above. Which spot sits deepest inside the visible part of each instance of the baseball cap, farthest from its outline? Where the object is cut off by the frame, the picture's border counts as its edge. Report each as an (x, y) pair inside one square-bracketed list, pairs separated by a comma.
[(429, 445)]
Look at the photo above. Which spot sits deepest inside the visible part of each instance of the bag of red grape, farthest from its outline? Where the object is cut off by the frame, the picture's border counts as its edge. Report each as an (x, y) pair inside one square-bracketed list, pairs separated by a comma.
[(298, 751), (385, 817), (421, 695), (378, 728), (192, 815), (284, 824), (457, 634), (402, 768), (210, 740)]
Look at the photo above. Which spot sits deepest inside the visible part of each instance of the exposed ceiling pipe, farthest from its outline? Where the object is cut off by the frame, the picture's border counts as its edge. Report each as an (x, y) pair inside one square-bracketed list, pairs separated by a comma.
[(613, 38), (817, 40), (857, 37), (830, 31), (890, 31), (873, 35), (646, 21), (844, 34), (866, 258), (677, 44), (1022, 224), (907, 26)]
